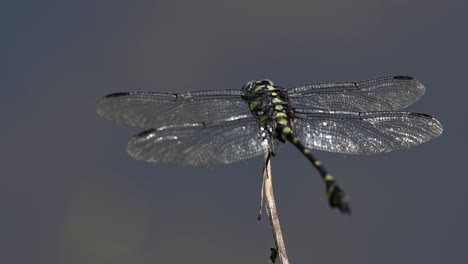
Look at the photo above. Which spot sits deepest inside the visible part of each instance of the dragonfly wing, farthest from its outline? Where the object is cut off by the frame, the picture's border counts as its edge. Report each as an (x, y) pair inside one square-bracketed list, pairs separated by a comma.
[(199, 144), (382, 94), (150, 109), (364, 133)]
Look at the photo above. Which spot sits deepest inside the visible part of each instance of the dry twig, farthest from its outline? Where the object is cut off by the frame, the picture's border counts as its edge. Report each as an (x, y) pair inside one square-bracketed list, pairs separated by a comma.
[(267, 189)]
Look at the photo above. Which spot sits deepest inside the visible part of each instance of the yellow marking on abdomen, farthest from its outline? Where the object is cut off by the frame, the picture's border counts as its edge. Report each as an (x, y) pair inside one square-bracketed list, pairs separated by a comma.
[(328, 177), (330, 191), (286, 131), (282, 121), (317, 163), (277, 100), (280, 115)]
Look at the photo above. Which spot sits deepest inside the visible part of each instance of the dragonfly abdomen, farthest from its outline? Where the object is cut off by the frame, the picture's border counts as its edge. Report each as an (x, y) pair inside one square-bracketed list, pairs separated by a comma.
[(336, 196)]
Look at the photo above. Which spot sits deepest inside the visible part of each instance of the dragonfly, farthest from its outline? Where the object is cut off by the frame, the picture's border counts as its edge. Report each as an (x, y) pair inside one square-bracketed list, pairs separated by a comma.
[(207, 128)]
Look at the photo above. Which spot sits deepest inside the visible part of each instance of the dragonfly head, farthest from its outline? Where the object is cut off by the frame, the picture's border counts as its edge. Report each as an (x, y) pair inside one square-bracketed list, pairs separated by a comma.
[(250, 86)]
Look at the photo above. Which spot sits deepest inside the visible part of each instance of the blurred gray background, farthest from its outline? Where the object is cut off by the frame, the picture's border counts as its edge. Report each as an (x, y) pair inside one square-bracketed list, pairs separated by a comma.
[(70, 194)]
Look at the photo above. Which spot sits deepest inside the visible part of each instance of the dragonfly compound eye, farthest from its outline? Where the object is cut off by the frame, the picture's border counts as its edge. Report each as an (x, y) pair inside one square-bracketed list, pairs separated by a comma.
[(248, 86)]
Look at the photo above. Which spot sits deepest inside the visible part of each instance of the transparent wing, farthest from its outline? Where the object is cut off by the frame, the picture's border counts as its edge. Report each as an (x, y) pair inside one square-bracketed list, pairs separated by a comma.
[(364, 133), (150, 109), (199, 144), (382, 94)]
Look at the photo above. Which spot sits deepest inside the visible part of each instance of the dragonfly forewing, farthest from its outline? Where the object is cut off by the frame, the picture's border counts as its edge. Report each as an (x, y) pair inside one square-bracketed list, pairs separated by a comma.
[(382, 94), (151, 109)]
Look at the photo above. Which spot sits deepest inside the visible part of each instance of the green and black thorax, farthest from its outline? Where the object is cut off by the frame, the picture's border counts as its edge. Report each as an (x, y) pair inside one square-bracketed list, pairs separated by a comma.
[(270, 104)]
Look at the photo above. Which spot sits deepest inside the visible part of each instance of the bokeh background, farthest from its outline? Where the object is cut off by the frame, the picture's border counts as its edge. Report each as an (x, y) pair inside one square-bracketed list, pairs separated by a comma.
[(70, 194)]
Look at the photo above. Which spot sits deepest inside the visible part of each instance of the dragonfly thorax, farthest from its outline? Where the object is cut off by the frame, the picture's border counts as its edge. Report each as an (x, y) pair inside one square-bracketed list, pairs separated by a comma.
[(270, 104)]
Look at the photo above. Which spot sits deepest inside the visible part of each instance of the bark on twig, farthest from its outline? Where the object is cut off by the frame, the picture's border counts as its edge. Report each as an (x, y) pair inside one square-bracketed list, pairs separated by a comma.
[(280, 250)]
